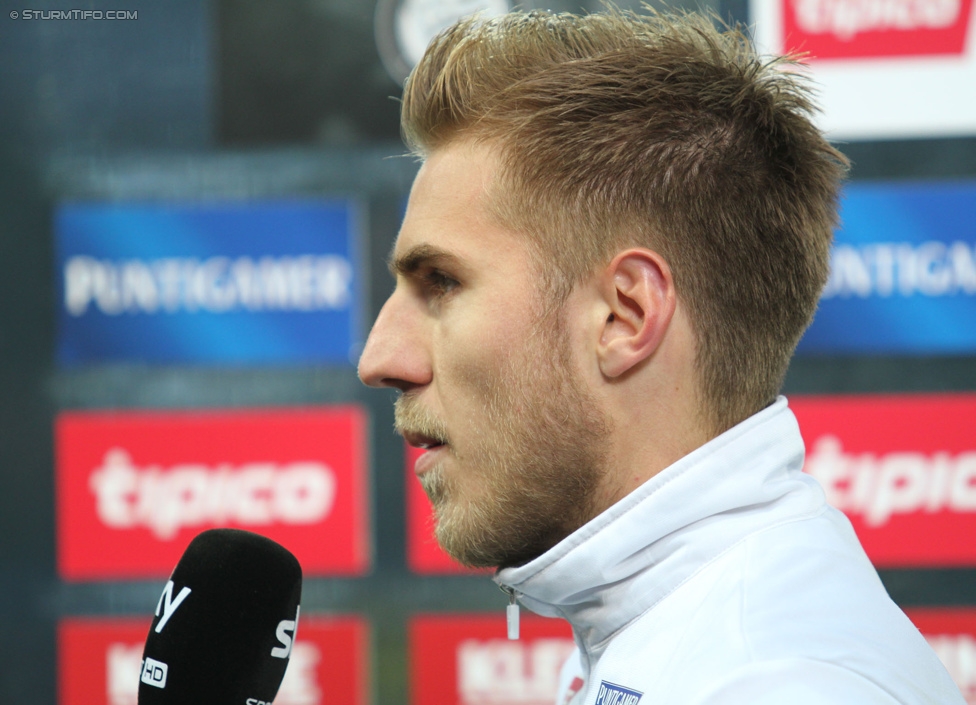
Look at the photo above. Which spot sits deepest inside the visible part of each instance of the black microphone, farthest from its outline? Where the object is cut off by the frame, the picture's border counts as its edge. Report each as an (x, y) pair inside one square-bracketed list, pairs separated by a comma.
[(225, 623)]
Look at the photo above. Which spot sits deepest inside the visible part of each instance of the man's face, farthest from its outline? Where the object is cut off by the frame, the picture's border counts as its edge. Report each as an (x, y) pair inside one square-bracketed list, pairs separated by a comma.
[(515, 443)]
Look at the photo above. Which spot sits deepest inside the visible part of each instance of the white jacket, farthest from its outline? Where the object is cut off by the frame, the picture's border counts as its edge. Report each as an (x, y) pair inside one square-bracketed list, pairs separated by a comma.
[(727, 579)]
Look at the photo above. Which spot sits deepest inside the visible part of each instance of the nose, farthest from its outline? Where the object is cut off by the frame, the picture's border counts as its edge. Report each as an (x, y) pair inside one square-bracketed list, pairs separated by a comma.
[(396, 353)]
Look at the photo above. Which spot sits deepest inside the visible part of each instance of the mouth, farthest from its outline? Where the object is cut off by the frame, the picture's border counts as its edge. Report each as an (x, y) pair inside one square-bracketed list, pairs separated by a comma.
[(424, 442)]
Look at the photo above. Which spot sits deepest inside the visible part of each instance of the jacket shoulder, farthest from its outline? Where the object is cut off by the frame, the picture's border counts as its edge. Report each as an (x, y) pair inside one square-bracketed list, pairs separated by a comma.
[(809, 682)]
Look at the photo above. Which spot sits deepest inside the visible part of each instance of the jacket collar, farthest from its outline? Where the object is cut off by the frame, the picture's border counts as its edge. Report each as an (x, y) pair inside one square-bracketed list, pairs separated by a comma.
[(626, 560)]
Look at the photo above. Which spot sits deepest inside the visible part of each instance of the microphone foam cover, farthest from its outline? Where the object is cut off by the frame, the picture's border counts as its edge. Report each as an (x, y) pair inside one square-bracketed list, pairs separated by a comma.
[(225, 623)]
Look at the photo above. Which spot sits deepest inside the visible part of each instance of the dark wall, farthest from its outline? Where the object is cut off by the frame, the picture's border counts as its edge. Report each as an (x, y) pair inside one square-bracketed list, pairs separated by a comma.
[(91, 88)]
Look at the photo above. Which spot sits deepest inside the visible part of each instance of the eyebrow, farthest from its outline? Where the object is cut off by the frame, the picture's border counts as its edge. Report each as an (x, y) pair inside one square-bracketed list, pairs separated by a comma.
[(419, 256)]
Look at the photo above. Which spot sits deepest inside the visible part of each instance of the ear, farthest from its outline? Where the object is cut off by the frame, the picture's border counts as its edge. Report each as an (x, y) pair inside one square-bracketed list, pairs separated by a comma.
[(639, 290)]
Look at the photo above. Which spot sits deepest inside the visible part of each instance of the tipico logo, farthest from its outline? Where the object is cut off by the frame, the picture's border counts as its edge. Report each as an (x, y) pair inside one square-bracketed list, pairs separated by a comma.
[(166, 500), (875, 28), (878, 486)]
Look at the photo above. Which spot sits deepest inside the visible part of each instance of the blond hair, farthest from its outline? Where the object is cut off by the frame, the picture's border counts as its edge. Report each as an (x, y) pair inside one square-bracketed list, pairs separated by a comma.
[(655, 130)]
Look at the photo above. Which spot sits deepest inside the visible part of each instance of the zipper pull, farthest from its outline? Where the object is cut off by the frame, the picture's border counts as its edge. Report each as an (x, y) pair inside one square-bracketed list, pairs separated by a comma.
[(511, 613)]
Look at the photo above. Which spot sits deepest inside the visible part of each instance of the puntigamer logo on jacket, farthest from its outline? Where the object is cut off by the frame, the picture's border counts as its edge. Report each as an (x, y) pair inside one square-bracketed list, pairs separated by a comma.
[(613, 694)]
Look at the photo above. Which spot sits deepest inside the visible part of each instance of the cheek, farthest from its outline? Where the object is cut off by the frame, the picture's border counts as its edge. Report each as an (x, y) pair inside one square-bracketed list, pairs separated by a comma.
[(468, 375), (473, 353)]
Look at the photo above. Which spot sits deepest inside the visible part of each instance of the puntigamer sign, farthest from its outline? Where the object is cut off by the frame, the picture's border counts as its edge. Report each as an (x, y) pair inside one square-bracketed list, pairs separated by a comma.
[(902, 272), (214, 283)]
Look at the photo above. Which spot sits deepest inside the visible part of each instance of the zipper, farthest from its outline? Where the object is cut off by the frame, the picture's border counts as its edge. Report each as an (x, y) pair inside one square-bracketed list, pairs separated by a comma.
[(511, 612)]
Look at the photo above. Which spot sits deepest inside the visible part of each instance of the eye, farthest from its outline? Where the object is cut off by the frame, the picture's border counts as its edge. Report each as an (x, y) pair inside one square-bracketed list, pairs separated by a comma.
[(438, 284)]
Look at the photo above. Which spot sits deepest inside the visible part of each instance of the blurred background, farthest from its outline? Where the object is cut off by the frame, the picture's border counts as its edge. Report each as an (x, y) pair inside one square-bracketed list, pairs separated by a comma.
[(196, 202)]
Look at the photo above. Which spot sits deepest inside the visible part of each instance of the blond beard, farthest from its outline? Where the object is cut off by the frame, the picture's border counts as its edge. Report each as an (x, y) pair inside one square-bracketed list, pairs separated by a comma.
[(537, 473)]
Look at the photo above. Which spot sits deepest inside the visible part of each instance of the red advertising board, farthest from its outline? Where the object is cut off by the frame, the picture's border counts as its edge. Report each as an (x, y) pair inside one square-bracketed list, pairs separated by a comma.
[(99, 662), (468, 660), (133, 488), (903, 469), (951, 632), (842, 29), (424, 555), (883, 69)]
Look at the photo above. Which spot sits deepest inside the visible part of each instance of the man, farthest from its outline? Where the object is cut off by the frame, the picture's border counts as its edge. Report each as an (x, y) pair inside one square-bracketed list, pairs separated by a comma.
[(619, 232)]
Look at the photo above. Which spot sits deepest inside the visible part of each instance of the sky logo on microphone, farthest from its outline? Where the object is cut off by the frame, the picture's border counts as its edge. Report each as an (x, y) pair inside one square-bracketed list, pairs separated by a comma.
[(286, 634), (167, 605), (154, 673)]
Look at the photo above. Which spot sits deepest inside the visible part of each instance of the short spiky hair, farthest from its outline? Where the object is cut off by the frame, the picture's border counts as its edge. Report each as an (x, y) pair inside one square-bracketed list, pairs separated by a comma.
[(658, 130)]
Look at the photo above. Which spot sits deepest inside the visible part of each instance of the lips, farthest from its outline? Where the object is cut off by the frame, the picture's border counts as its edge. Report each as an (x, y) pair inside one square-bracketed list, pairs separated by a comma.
[(433, 451), (419, 440)]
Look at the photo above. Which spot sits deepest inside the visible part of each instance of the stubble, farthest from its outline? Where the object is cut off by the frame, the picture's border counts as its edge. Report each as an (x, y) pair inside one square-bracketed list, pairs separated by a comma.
[(528, 476)]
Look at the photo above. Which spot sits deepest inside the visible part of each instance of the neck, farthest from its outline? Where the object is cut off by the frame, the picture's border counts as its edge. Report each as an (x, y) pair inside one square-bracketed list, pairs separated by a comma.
[(656, 416)]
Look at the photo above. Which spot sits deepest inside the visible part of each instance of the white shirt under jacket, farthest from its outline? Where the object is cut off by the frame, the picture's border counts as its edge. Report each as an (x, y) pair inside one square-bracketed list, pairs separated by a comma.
[(727, 579)]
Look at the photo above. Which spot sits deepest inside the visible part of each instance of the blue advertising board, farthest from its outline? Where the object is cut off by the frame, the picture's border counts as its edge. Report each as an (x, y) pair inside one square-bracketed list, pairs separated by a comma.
[(266, 282), (903, 272)]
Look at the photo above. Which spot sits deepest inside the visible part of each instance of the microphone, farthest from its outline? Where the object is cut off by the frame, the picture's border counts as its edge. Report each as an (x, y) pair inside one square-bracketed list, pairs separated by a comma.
[(225, 623)]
